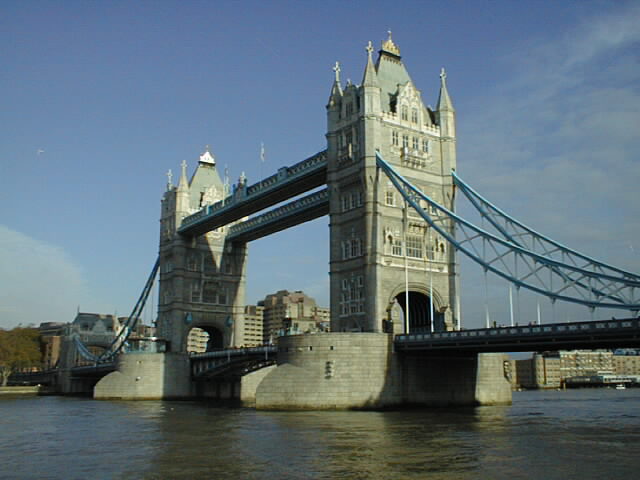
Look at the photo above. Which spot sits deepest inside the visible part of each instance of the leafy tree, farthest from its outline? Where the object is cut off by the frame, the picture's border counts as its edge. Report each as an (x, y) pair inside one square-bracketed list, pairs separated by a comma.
[(19, 349)]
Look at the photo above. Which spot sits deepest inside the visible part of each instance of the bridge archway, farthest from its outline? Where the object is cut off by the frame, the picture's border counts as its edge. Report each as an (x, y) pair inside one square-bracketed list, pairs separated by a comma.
[(419, 312), (204, 339)]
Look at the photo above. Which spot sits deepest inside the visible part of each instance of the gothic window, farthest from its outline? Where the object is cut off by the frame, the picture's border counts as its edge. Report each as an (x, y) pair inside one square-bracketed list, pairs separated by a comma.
[(210, 266), (195, 291), (349, 138), (389, 198), (414, 246), (209, 292), (354, 199), (405, 112), (193, 262), (346, 248), (396, 247), (349, 109), (414, 115), (222, 296), (394, 137)]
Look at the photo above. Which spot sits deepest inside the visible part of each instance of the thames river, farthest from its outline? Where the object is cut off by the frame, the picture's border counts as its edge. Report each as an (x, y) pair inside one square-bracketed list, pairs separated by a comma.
[(584, 434)]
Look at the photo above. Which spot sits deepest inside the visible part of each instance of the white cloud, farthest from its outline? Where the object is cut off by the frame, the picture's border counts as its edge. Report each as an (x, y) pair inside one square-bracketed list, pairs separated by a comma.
[(40, 282)]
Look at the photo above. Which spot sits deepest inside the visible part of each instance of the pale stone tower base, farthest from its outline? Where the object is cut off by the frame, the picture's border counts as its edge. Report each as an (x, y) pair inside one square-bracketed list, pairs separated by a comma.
[(147, 376), (360, 371)]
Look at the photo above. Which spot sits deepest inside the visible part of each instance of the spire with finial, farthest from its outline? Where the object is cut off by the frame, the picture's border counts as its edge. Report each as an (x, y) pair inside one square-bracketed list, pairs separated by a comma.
[(183, 185), (169, 180), (370, 78), (390, 47), (336, 89), (336, 70), (207, 157), (444, 101)]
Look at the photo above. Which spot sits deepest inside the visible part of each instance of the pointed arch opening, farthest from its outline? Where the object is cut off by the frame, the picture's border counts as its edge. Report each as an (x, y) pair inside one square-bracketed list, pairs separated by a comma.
[(204, 339), (419, 309)]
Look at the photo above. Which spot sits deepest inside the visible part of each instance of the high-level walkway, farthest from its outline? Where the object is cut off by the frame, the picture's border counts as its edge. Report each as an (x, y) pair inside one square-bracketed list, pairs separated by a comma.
[(285, 184)]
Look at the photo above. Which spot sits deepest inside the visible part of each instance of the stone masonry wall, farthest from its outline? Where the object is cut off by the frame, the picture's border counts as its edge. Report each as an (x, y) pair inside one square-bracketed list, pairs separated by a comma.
[(331, 371), (147, 376)]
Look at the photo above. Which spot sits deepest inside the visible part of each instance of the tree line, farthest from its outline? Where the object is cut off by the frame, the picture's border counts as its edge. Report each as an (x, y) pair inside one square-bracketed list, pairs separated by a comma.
[(20, 349)]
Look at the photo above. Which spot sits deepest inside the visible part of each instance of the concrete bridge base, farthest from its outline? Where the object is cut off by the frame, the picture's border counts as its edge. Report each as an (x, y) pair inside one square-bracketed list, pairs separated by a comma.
[(361, 371), (147, 376)]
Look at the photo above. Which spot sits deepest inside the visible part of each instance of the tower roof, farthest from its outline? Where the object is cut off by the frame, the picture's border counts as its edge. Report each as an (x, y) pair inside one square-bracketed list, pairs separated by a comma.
[(205, 185), (391, 72)]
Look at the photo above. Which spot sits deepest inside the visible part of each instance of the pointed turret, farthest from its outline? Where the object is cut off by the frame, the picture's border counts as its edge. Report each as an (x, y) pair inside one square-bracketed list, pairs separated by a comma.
[(446, 119), (444, 101), (370, 78), (336, 90), (334, 106), (370, 86), (183, 185)]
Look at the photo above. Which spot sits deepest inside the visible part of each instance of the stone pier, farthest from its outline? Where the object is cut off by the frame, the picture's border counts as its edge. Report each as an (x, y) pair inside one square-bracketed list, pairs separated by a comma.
[(147, 376), (361, 371)]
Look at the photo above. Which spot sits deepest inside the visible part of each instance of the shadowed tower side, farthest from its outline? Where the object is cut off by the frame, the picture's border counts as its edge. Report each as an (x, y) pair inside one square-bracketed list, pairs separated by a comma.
[(202, 279)]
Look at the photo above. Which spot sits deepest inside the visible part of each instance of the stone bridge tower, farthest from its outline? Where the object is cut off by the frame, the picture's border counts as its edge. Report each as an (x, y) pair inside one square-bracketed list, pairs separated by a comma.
[(378, 247), (202, 279)]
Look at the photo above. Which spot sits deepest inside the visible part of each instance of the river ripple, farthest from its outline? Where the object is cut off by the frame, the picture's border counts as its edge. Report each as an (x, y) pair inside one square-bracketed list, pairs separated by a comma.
[(586, 434)]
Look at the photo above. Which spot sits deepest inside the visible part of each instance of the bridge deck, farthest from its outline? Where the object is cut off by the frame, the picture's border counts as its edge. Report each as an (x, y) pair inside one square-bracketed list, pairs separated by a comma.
[(623, 333)]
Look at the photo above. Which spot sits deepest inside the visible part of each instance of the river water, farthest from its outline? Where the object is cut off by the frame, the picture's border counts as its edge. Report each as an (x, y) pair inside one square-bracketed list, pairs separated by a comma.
[(585, 434)]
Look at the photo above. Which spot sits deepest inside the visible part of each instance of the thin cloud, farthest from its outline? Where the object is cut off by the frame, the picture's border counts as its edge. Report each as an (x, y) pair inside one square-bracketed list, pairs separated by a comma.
[(41, 283), (559, 140)]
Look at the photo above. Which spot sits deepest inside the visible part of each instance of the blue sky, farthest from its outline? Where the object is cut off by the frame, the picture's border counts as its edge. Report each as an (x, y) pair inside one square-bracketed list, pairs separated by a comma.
[(100, 99)]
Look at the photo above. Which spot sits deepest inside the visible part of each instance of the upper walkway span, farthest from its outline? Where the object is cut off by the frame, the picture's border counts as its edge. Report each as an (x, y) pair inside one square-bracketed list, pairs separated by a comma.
[(286, 183)]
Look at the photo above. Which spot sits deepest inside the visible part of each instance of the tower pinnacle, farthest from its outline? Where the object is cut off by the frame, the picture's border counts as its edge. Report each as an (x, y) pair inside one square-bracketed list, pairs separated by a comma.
[(390, 47), (444, 101), (370, 78), (183, 185)]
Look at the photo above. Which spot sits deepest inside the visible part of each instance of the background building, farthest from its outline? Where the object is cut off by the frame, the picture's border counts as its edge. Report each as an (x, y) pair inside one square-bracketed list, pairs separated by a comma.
[(553, 369), (253, 325), (293, 312), (51, 340)]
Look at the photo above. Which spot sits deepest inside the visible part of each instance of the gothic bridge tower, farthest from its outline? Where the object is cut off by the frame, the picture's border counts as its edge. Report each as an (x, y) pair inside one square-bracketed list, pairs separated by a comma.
[(202, 279), (378, 247)]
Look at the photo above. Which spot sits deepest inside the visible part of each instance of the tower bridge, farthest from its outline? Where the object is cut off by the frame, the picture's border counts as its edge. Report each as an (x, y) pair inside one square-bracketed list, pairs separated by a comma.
[(389, 194)]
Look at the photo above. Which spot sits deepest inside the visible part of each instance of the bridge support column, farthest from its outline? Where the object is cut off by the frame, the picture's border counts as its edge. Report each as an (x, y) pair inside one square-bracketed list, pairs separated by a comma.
[(147, 376)]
